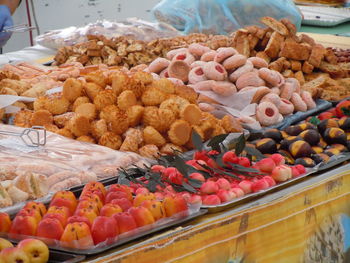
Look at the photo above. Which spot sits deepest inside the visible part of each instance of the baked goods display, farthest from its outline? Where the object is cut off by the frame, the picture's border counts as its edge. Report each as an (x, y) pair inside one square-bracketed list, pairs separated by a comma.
[(126, 110)]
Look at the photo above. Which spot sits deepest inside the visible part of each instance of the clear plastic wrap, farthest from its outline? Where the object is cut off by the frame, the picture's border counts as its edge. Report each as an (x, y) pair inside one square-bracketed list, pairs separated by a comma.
[(131, 27), (222, 16)]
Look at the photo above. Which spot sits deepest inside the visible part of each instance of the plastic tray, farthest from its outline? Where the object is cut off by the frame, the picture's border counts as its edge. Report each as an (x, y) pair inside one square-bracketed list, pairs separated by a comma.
[(324, 16)]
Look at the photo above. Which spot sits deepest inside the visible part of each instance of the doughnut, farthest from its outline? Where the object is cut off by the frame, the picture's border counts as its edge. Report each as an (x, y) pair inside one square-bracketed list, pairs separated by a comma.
[(276, 90), (247, 67), (224, 53), (260, 93), (155, 76), (224, 88), (196, 75), (258, 62), (249, 79), (204, 85), (206, 107), (206, 99), (307, 98), (247, 88), (176, 81), (286, 107), (197, 49), (164, 73), (197, 63), (273, 98), (299, 104), (270, 76), (234, 62), (267, 114), (287, 90), (172, 53), (208, 56), (184, 56), (214, 71), (295, 83), (179, 69), (158, 65)]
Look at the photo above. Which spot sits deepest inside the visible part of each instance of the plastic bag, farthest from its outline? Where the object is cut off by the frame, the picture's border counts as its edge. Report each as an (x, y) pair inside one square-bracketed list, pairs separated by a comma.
[(222, 16), (132, 27)]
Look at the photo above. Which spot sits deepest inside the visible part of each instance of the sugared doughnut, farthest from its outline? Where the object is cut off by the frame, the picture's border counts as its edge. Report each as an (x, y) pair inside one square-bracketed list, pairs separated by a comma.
[(249, 79), (197, 49), (206, 107), (214, 71), (208, 56), (158, 65), (197, 63), (273, 98), (206, 99), (164, 73), (224, 53), (276, 90), (172, 53), (307, 98), (196, 75), (247, 67), (299, 104), (260, 93), (286, 107), (270, 76), (258, 62), (184, 56), (224, 88), (234, 62), (155, 76), (179, 69), (204, 85), (295, 83), (176, 81), (267, 114), (287, 90)]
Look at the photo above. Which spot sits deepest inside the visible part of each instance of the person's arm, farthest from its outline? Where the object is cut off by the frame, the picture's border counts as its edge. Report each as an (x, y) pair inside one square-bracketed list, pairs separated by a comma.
[(12, 4)]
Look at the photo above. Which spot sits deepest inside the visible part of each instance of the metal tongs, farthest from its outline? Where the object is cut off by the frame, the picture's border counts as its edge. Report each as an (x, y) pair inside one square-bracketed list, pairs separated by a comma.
[(32, 137), (18, 28)]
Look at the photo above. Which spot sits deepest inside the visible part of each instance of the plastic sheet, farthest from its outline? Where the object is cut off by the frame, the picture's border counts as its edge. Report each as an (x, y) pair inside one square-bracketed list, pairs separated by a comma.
[(132, 27), (222, 16)]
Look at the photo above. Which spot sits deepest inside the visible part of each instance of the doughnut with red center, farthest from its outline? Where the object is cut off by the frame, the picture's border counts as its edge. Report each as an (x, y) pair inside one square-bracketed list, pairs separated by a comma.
[(214, 71), (224, 53), (197, 49), (179, 69), (247, 67), (258, 62), (164, 73), (267, 114), (299, 104), (287, 90), (172, 53), (249, 79), (286, 107), (158, 65), (224, 88), (234, 62), (307, 98), (208, 56), (184, 56), (196, 75)]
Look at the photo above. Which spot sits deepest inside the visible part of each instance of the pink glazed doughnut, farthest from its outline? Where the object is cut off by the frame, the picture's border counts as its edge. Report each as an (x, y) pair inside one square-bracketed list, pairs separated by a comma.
[(208, 56), (196, 75), (206, 107), (273, 98), (276, 90), (164, 73), (214, 71), (249, 79), (172, 53), (270, 76), (286, 107), (204, 85), (267, 114), (299, 104), (184, 56), (223, 53), (295, 83), (287, 90), (234, 62), (258, 62), (224, 88), (247, 67), (177, 82), (158, 65), (307, 98), (197, 63), (197, 49), (179, 69)]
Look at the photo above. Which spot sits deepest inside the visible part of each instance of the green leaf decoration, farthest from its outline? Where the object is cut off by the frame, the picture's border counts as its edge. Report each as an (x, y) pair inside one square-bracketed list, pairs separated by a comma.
[(188, 187), (314, 120), (215, 142), (346, 111), (240, 144), (180, 165), (195, 183), (197, 141), (254, 152)]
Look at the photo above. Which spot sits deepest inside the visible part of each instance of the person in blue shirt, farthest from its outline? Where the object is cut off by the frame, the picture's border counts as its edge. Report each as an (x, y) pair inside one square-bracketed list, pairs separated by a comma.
[(7, 8)]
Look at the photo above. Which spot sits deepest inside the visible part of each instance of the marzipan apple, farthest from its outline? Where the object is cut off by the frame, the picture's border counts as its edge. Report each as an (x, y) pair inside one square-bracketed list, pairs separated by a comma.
[(36, 250), (14, 254), (5, 244)]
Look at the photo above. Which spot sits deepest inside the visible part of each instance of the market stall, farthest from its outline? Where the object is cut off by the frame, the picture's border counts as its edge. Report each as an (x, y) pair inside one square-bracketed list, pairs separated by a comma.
[(125, 142)]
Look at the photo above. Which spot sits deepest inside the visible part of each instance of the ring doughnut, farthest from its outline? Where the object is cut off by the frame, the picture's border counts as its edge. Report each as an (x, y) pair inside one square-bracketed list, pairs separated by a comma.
[(276, 90), (158, 65), (270, 76), (260, 93), (172, 53), (206, 107), (307, 98), (223, 53), (214, 71), (196, 75), (249, 79), (155, 76), (176, 81), (267, 114), (197, 49), (224, 88), (234, 62), (287, 90), (286, 107), (179, 69), (258, 62), (164, 73), (295, 83), (208, 56), (197, 63), (299, 104), (205, 85), (273, 98), (184, 56), (247, 67)]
